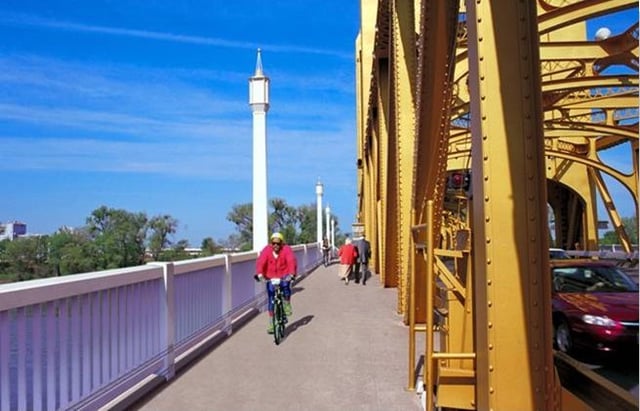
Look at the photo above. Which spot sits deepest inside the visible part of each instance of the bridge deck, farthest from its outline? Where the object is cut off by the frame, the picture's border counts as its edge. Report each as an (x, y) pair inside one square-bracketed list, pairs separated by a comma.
[(346, 349)]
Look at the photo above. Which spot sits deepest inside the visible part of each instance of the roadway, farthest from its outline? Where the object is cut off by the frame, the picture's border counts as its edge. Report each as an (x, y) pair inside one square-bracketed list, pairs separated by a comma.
[(346, 349)]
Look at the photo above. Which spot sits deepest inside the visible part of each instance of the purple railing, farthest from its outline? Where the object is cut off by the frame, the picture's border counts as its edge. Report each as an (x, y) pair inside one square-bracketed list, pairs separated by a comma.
[(96, 340)]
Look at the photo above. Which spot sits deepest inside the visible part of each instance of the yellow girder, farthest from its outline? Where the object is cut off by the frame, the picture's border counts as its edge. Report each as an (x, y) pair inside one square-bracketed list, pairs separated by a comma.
[(435, 91)]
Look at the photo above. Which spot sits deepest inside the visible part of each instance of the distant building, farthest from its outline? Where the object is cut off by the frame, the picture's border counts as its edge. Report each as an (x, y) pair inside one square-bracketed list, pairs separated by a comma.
[(13, 230)]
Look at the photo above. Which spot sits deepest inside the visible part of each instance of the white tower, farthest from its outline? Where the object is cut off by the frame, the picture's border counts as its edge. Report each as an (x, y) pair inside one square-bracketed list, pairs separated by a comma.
[(259, 102), (319, 191)]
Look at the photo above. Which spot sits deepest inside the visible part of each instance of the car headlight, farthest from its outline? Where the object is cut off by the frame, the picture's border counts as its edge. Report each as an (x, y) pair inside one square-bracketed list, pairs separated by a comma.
[(598, 320)]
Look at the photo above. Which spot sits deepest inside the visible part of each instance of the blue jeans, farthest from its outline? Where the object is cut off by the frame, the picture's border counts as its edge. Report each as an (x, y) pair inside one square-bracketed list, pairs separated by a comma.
[(271, 292)]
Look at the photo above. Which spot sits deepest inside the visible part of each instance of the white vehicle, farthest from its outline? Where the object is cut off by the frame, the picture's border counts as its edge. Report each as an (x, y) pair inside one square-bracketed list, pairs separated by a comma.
[(558, 254)]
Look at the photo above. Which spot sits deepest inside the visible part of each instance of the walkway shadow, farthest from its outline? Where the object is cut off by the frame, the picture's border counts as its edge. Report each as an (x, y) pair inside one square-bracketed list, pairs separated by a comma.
[(299, 323)]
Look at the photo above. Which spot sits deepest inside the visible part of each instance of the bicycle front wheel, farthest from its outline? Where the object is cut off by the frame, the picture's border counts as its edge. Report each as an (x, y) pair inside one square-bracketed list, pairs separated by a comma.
[(278, 322)]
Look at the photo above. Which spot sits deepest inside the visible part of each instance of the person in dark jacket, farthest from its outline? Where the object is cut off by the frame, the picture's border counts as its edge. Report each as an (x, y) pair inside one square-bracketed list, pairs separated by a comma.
[(362, 264)]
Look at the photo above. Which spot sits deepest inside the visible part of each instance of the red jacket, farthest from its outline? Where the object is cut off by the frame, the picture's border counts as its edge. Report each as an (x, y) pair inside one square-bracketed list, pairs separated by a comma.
[(348, 254), (271, 267)]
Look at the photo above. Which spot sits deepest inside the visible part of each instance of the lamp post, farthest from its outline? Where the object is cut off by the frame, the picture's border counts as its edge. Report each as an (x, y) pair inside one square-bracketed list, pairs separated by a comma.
[(333, 233), (319, 191)]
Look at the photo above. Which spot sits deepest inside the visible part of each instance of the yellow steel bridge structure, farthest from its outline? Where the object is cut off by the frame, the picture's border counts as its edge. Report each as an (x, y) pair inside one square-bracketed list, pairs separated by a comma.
[(474, 118)]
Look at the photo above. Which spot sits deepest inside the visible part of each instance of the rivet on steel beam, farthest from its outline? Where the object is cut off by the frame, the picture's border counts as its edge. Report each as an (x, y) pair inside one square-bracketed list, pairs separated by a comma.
[(491, 368), (486, 199), (488, 282), (491, 346), (485, 157), (490, 390), (489, 303), (490, 325), (489, 263), (488, 241), (487, 219)]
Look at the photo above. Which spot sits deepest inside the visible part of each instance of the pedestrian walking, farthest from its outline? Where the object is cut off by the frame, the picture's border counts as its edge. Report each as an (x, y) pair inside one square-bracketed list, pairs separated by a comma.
[(348, 254), (362, 265), (326, 248)]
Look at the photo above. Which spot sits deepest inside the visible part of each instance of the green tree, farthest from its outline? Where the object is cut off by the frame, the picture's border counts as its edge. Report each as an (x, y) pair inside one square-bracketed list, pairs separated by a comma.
[(307, 223), (209, 247), (160, 228), (71, 252), (284, 218), (297, 224), (26, 258), (630, 225), (242, 216), (119, 237), (176, 253)]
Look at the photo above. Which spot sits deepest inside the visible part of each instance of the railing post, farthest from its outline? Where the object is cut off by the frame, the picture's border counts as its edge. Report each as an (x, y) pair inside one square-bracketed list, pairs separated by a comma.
[(227, 295), (167, 309)]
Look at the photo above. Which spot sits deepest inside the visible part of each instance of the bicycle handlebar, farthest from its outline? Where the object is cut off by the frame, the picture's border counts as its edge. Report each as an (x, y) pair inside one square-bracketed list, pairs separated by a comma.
[(289, 277)]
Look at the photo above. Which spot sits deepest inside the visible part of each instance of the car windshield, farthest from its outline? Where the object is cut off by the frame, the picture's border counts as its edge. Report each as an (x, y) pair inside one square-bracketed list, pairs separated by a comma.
[(579, 279)]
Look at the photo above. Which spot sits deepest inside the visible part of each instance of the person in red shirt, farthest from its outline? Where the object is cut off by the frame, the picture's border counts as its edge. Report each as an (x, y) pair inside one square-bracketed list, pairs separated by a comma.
[(348, 254), (277, 260)]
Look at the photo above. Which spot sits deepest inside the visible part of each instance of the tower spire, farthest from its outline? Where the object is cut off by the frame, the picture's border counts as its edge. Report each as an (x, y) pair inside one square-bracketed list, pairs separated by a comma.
[(259, 72)]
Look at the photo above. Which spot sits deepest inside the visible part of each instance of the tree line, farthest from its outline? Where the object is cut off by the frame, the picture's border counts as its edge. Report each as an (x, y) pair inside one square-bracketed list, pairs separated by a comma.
[(116, 238), (630, 226)]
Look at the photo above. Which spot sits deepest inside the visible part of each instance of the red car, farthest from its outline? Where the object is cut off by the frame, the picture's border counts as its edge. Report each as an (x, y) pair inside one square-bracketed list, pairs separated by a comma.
[(595, 307)]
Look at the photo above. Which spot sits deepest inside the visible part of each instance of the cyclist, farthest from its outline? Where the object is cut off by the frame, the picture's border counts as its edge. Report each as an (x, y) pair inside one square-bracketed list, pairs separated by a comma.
[(277, 260), (325, 251)]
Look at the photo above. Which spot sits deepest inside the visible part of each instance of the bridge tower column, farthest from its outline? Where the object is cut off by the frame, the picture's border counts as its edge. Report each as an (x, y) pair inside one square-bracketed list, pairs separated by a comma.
[(512, 302)]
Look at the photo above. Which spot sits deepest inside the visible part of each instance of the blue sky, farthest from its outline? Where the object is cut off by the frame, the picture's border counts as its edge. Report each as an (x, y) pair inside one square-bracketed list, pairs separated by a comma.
[(144, 106)]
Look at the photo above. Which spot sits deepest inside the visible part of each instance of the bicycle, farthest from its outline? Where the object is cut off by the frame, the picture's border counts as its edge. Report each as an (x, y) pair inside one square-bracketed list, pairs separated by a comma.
[(279, 318)]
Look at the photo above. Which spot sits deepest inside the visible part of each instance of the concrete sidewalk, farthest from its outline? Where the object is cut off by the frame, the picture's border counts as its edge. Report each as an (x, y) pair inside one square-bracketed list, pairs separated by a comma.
[(346, 349)]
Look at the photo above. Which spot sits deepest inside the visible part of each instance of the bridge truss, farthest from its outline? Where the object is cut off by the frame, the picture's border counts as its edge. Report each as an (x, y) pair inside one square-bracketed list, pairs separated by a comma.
[(513, 95)]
